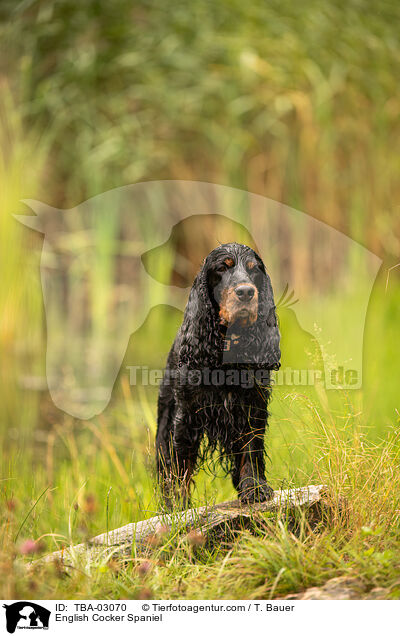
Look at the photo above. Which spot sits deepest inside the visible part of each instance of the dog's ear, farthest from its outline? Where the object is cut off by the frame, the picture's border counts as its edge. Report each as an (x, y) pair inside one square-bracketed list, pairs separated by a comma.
[(199, 301), (268, 322), (204, 288), (199, 331)]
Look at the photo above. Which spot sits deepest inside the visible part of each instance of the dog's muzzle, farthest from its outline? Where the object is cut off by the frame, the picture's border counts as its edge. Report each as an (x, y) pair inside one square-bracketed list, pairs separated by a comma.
[(239, 304)]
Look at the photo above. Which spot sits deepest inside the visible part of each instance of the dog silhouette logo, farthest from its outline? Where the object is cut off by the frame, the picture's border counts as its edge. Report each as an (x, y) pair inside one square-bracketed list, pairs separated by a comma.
[(110, 261), (26, 615)]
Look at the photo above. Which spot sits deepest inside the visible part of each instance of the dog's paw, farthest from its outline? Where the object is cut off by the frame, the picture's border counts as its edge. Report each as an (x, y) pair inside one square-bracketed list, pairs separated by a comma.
[(253, 491)]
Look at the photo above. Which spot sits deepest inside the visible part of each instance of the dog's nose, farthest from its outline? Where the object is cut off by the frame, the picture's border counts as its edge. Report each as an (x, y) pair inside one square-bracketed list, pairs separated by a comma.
[(244, 292)]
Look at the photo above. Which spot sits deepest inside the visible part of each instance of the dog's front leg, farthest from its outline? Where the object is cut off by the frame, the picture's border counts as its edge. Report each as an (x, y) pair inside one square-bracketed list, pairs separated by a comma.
[(185, 447), (248, 475)]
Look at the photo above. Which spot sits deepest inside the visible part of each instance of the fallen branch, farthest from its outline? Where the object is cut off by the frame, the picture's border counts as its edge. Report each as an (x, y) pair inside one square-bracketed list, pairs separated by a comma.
[(216, 522)]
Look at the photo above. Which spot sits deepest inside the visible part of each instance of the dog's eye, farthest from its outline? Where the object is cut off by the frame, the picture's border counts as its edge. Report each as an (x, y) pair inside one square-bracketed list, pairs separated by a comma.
[(227, 264)]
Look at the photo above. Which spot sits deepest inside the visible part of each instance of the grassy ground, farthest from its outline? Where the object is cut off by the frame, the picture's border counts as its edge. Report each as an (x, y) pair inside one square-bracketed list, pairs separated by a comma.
[(93, 491)]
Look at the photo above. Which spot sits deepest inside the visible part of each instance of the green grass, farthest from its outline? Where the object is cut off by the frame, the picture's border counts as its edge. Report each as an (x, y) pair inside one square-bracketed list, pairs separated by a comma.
[(360, 536)]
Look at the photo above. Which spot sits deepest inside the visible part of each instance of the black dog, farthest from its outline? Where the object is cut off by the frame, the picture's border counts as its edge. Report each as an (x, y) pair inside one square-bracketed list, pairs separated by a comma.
[(217, 382)]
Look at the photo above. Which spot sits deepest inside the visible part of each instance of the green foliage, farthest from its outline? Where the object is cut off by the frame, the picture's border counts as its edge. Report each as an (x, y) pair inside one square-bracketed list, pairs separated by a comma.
[(296, 101)]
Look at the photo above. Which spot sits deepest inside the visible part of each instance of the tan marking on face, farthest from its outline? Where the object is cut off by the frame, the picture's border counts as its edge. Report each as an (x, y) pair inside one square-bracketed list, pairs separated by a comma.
[(230, 306), (250, 264), (229, 262)]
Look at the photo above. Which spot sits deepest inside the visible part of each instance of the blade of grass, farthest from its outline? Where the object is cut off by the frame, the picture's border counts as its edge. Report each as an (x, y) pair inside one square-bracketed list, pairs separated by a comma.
[(29, 513)]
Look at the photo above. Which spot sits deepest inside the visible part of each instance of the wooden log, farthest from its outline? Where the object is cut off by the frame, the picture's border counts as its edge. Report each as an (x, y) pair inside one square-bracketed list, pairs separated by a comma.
[(211, 523)]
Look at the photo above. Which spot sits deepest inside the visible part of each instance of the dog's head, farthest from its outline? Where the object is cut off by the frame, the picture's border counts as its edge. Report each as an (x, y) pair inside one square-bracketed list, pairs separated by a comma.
[(237, 290), (236, 280), (231, 298)]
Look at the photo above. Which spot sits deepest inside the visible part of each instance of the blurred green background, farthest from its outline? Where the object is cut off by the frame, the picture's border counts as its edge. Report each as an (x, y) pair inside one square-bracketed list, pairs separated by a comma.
[(295, 101)]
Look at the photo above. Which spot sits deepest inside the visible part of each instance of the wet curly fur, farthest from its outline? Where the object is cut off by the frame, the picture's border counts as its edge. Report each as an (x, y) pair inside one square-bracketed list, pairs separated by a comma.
[(216, 387)]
